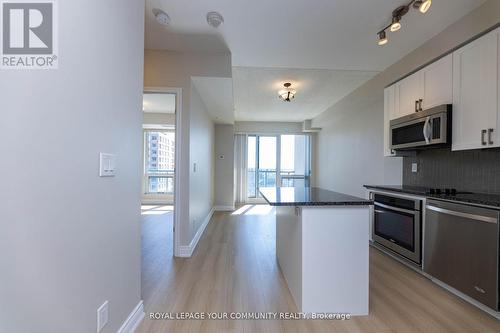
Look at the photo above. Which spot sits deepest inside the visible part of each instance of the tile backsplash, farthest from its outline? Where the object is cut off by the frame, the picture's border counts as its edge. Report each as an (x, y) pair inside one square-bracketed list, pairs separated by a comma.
[(471, 170)]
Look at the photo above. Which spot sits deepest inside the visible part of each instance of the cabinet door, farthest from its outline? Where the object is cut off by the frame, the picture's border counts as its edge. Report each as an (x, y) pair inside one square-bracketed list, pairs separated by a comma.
[(437, 83), (408, 91), (475, 89), (495, 136), (388, 116)]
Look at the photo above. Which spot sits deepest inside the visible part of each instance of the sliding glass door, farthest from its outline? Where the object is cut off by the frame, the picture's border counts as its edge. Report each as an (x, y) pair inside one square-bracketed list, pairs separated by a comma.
[(277, 160), (295, 164)]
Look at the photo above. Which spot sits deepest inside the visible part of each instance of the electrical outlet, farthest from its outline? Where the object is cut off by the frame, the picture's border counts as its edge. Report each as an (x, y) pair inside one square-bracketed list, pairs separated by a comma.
[(414, 167), (102, 316)]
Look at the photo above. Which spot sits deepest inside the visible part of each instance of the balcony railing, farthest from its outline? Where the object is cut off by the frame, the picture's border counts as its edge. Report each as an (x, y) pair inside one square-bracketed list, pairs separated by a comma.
[(160, 182), (267, 178)]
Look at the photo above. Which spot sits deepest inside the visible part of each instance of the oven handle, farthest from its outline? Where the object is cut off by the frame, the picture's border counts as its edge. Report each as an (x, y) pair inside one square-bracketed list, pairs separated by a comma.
[(396, 208)]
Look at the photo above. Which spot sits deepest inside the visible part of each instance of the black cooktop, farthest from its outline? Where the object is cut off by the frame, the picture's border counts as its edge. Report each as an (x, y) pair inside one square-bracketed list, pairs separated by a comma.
[(449, 194)]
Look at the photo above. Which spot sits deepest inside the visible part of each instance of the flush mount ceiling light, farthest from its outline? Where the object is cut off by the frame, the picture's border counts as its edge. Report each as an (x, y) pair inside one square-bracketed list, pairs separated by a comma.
[(214, 19), (288, 93), (395, 25), (161, 17)]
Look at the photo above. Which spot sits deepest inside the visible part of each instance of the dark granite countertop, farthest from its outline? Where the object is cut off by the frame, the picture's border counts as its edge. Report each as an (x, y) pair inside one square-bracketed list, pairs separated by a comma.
[(309, 196), (491, 200)]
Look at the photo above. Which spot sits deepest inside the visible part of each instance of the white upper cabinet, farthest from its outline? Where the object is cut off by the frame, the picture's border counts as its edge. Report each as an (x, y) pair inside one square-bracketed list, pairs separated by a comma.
[(475, 94), (469, 78), (389, 96), (427, 88), (408, 93), (437, 83)]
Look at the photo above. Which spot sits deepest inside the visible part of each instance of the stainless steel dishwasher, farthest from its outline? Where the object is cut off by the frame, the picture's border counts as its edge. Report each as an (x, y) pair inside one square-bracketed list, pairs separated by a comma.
[(461, 249)]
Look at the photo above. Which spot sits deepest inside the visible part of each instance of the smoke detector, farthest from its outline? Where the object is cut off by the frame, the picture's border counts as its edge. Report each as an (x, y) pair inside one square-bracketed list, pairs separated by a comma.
[(161, 17), (214, 19)]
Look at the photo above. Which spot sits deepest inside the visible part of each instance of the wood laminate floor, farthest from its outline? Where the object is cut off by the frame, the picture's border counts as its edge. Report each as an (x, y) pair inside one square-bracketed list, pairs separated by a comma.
[(234, 269)]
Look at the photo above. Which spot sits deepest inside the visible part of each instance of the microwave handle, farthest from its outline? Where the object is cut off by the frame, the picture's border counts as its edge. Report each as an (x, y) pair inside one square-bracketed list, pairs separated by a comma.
[(426, 130)]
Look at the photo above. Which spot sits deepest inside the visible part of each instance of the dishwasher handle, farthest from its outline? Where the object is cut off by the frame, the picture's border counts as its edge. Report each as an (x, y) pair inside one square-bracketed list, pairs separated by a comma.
[(475, 217)]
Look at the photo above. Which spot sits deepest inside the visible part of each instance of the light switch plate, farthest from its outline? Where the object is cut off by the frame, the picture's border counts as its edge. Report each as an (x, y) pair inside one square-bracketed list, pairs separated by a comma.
[(414, 167), (102, 316), (107, 165)]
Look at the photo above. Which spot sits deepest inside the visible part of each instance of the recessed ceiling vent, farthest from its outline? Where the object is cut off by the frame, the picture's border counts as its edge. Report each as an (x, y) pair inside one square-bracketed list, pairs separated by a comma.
[(161, 17), (214, 19)]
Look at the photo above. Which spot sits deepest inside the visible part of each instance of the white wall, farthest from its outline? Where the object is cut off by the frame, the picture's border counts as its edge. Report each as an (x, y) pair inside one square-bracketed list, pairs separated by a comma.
[(174, 70), (70, 240), (267, 127), (201, 151), (224, 168), (350, 145)]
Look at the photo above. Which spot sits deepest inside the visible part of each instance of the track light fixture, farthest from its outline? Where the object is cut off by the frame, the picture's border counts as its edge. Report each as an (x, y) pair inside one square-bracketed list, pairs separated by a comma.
[(395, 25), (382, 38), (422, 5)]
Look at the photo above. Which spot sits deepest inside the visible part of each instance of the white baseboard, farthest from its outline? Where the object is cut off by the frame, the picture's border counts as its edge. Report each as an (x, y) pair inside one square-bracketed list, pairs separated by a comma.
[(133, 320), (224, 208), (187, 251)]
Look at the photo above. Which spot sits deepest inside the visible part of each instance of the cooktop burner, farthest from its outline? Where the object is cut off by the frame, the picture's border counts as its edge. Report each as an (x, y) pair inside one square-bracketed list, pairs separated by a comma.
[(445, 191)]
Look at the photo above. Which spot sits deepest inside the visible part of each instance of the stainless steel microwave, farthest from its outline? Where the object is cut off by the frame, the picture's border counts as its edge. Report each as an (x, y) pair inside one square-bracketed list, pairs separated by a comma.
[(424, 129)]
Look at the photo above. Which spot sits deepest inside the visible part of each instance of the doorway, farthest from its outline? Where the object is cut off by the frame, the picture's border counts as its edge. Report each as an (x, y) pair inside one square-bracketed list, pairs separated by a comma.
[(161, 112)]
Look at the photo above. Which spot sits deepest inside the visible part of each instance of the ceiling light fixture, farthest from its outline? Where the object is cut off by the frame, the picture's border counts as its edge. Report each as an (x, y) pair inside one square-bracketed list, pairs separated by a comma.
[(395, 25), (422, 5), (382, 38), (288, 93), (214, 19), (161, 17)]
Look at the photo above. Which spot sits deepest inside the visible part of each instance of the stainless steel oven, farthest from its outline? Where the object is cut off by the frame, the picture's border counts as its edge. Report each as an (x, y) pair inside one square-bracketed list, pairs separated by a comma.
[(423, 129), (397, 225)]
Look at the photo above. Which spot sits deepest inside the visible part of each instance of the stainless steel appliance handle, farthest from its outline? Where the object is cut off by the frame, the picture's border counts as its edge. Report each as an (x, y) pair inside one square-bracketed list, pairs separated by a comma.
[(490, 140), (464, 215), (483, 141), (426, 133), (395, 208)]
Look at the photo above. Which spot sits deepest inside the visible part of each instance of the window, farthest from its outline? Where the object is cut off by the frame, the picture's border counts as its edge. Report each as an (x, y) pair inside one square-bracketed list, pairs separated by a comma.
[(268, 166), (159, 176)]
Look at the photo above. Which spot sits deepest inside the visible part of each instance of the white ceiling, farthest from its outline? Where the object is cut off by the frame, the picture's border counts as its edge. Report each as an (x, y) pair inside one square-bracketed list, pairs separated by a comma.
[(338, 37), (217, 95), (158, 103), (324, 34), (256, 92)]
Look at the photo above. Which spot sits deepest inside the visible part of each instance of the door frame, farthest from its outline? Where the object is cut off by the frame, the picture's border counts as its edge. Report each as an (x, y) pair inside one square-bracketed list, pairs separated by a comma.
[(178, 152)]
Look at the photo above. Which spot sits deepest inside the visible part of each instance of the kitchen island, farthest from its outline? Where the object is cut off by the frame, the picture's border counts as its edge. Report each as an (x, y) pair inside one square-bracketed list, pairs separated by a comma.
[(322, 240)]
